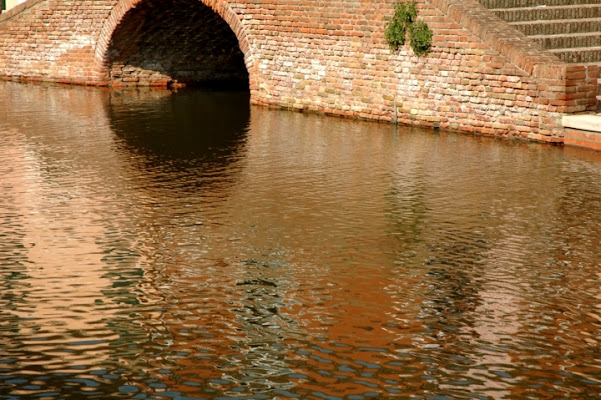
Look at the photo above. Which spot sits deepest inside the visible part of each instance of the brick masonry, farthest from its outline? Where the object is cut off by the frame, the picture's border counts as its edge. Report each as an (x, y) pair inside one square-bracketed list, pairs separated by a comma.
[(481, 76)]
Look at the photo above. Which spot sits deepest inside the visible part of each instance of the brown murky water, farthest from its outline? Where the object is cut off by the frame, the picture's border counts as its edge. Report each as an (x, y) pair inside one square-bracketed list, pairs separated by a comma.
[(158, 245)]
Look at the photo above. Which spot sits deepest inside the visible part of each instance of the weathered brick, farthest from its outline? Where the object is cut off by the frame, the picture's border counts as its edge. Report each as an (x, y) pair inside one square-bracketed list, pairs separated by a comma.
[(306, 55)]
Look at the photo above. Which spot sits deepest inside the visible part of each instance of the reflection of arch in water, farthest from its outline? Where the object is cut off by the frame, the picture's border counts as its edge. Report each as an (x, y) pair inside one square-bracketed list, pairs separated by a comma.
[(182, 149), (188, 128), (153, 42)]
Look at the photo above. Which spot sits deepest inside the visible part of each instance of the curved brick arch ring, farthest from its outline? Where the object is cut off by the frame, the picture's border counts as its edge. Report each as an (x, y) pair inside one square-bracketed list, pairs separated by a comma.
[(221, 7)]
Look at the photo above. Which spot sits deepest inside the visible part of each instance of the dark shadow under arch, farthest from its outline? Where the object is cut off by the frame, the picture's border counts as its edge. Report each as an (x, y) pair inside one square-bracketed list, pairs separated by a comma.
[(178, 42)]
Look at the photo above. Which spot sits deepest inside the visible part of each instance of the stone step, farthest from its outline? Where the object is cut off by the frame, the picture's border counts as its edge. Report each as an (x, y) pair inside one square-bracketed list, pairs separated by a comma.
[(568, 40), (579, 55), (532, 3), (549, 13), (531, 28)]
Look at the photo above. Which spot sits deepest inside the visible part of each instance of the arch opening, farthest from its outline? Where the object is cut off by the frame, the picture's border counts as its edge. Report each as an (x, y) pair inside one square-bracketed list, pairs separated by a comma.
[(175, 43)]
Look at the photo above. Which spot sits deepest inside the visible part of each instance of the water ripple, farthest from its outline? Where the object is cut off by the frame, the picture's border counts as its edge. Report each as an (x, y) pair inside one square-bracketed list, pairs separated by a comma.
[(236, 252)]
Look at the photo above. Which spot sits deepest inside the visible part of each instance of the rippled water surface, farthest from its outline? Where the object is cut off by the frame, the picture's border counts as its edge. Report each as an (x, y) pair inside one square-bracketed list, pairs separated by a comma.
[(158, 245)]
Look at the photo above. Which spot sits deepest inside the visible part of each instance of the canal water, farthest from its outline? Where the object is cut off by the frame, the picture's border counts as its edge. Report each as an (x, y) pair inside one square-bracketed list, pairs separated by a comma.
[(186, 245)]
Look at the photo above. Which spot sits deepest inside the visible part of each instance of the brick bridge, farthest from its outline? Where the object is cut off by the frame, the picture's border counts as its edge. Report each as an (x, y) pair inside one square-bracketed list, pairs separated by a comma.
[(487, 71)]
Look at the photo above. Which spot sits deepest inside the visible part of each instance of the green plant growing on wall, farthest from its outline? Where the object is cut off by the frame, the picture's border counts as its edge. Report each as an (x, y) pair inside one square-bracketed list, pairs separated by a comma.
[(396, 30), (420, 38), (403, 20)]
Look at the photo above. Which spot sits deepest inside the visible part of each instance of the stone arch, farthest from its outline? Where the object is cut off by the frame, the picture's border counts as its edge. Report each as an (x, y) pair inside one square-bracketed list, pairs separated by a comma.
[(131, 24)]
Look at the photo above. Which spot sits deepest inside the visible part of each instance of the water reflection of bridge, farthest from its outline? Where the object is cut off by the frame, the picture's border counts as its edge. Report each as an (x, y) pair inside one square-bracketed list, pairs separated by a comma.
[(198, 288)]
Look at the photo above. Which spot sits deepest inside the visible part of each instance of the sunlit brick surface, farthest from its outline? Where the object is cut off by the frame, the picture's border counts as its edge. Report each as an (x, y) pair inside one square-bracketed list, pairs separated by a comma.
[(481, 76)]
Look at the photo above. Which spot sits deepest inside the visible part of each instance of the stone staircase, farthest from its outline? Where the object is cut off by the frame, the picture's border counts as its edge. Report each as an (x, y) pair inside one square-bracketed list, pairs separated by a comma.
[(571, 29)]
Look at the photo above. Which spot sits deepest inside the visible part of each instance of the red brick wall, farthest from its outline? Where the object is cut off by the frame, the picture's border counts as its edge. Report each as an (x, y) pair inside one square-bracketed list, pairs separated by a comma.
[(330, 57), (52, 40)]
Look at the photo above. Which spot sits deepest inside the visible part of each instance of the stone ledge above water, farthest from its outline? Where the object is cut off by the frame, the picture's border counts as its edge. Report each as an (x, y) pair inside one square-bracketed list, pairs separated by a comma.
[(584, 122)]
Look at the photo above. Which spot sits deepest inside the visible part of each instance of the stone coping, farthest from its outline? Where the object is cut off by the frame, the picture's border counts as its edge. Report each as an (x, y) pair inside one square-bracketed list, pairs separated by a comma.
[(6, 15), (583, 122)]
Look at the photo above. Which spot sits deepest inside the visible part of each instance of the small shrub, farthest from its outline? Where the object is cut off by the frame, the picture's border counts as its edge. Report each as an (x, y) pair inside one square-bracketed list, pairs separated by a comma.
[(403, 20), (395, 34), (420, 38), (396, 30)]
